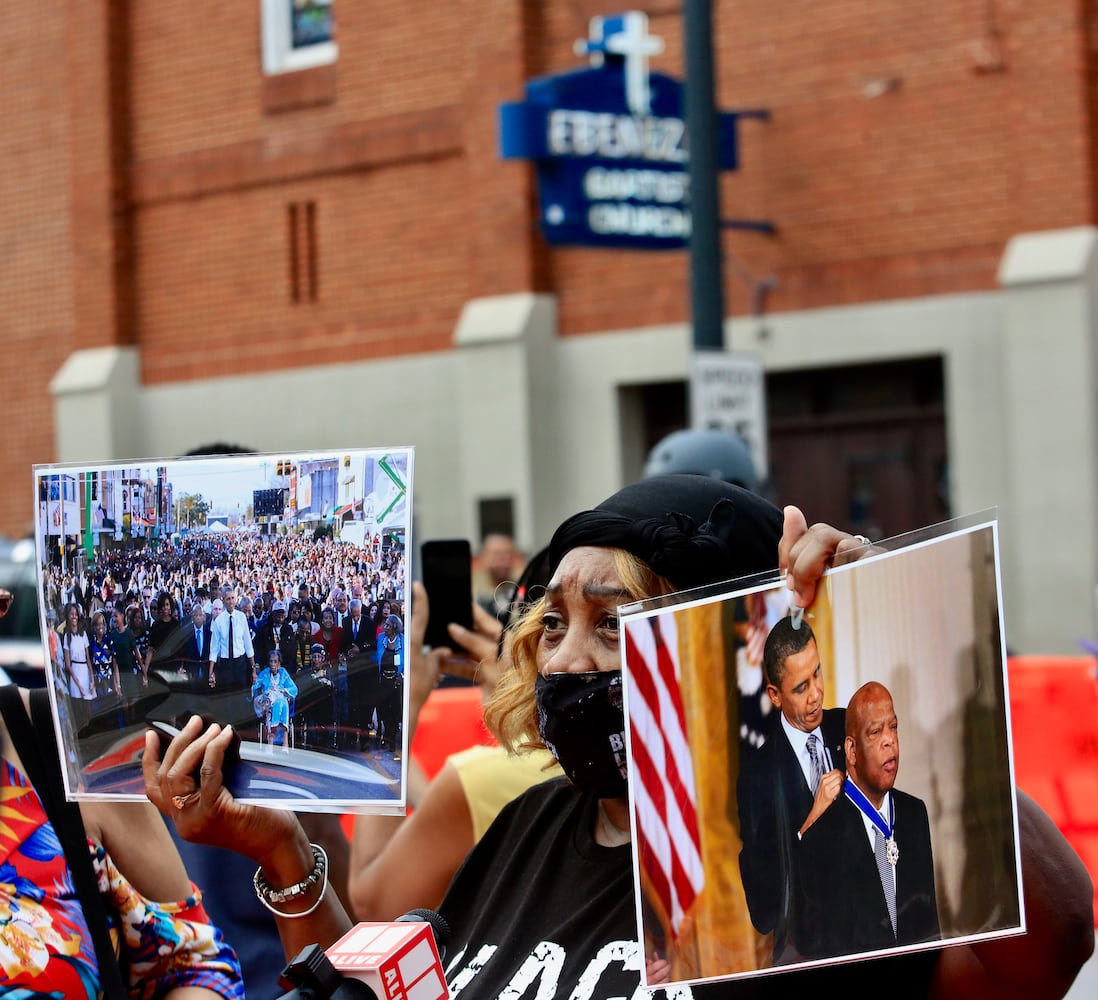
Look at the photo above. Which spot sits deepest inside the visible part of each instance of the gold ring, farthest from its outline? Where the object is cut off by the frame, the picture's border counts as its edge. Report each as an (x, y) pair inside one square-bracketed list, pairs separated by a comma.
[(181, 801)]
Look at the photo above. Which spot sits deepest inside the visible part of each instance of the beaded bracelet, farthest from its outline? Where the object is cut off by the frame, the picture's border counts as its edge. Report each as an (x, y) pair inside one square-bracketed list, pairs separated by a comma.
[(268, 896)]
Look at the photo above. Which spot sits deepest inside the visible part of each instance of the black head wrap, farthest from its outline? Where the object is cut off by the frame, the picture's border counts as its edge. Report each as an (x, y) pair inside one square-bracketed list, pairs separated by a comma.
[(691, 530)]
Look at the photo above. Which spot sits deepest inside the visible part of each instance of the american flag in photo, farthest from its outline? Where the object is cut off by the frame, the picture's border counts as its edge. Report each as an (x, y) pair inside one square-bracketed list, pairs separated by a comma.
[(668, 843)]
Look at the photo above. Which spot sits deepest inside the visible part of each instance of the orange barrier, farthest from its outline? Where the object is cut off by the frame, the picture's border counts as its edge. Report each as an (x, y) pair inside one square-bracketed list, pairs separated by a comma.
[(451, 719), (1054, 720)]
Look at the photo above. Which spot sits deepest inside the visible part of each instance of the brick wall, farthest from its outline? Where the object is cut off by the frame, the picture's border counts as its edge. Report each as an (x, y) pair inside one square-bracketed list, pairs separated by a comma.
[(907, 144), (37, 327)]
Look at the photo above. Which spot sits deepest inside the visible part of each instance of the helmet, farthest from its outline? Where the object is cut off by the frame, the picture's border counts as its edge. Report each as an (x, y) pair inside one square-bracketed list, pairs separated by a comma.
[(709, 452)]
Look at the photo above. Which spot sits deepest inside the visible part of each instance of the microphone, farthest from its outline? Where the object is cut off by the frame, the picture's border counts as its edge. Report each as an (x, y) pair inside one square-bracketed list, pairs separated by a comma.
[(438, 924), (399, 960)]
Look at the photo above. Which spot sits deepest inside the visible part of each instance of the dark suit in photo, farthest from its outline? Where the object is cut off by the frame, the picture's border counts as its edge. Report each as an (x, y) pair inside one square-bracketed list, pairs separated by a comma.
[(363, 684), (195, 654), (773, 799), (842, 908)]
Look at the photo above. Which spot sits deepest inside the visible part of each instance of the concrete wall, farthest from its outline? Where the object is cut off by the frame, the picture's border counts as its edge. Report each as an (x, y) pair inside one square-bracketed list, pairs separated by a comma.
[(513, 409)]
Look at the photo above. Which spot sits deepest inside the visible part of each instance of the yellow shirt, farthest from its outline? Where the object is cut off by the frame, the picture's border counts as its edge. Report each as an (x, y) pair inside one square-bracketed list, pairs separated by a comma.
[(491, 777)]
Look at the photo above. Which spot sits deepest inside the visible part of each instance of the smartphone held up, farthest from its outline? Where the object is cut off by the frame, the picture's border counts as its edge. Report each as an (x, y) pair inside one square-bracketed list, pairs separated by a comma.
[(448, 578)]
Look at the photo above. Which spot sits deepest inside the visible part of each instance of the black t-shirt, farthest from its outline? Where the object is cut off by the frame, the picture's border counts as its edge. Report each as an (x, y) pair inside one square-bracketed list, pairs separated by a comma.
[(539, 909)]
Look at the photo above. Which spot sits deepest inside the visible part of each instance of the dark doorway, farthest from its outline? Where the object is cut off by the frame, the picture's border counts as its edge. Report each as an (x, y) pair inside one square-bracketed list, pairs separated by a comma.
[(862, 447)]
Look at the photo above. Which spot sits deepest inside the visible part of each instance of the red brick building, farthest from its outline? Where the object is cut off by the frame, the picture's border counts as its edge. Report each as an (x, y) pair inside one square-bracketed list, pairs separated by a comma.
[(195, 249)]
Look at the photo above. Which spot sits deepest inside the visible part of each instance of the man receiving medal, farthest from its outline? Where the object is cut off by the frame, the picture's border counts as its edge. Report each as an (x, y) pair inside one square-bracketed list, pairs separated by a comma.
[(872, 882)]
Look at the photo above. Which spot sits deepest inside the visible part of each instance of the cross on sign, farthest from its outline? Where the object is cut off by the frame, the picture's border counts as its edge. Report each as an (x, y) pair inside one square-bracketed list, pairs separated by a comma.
[(625, 35)]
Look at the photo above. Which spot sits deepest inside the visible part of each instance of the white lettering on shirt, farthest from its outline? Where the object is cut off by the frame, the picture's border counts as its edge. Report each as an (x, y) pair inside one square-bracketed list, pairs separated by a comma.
[(542, 967), (463, 978)]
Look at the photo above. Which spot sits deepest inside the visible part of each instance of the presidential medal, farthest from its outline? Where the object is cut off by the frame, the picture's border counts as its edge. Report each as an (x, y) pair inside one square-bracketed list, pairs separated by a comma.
[(886, 829)]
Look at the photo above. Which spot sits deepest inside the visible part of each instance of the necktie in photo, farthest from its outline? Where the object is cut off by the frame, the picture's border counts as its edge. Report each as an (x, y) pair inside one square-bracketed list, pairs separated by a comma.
[(231, 654), (198, 640), (816, 759), (888, 875)]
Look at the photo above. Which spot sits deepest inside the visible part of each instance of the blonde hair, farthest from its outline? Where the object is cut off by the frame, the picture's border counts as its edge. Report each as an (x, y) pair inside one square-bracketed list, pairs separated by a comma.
[(511, 713)]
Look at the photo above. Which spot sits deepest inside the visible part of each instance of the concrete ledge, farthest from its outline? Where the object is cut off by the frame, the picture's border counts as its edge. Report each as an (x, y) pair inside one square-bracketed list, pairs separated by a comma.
[(502, 318), (97, 404), (94, 370), (1054, 255)]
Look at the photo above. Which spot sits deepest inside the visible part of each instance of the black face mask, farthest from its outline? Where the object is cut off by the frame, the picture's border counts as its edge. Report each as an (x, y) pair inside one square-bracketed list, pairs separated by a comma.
[(582, 721)]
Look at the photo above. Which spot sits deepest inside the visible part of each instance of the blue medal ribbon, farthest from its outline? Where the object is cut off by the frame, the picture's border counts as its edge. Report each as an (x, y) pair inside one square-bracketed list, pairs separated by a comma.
[(857, 796)]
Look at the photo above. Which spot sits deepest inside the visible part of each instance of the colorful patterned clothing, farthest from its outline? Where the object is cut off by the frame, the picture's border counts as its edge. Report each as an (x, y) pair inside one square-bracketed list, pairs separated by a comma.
[(45, 946)]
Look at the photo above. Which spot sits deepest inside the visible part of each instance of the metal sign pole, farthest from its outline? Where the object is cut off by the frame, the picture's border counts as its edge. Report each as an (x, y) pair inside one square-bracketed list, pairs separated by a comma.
[(706, 287)]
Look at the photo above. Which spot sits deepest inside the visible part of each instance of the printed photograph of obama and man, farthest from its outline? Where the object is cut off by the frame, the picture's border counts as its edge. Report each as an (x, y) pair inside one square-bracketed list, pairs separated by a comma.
[(777, 822)]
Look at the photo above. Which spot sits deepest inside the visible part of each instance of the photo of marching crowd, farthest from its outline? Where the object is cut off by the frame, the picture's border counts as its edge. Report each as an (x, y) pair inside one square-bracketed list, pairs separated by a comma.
[(259, 591)]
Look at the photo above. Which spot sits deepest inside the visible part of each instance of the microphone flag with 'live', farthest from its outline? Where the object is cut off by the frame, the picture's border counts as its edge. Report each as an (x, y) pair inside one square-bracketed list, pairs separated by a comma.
[(398, 961)]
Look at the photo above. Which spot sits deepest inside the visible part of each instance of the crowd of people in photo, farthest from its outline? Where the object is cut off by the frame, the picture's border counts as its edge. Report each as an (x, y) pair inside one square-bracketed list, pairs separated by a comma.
[(323, 619)]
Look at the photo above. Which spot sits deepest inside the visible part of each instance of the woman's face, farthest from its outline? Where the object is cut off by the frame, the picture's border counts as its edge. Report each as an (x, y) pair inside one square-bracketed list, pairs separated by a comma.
[(327, 619), (100, 626), (580, 619), (165, 609), (72, 616)]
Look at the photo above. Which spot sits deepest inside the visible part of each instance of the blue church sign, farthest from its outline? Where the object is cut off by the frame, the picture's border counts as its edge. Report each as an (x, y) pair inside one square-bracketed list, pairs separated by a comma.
[(610, 144)]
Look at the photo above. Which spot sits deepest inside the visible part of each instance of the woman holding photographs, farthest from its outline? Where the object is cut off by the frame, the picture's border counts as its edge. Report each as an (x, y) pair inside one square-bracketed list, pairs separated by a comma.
[(546, 895)]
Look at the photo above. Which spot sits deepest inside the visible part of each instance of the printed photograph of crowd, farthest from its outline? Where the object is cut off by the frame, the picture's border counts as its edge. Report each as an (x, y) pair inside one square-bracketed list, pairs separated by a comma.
[(265, 592)]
